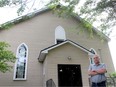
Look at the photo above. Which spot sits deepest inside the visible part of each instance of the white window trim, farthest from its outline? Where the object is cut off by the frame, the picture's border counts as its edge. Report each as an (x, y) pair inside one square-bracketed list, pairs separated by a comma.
[(17, 61), (91, 57)]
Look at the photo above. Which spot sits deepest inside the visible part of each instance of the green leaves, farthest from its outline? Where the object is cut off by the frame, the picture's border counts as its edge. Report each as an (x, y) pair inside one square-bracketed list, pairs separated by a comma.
[(6, 25), (103, 12), (4, 67), (113, 74), (6, 57), (4, 2), (63, 8)]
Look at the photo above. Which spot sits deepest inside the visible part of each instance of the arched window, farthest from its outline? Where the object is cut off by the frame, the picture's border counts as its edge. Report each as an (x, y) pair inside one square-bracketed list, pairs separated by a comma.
[(91, 55), (21, 62), (59, 35)]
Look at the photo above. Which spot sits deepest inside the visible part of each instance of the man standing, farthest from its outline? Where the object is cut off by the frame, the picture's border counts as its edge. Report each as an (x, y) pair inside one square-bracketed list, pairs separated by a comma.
[(97, 72)]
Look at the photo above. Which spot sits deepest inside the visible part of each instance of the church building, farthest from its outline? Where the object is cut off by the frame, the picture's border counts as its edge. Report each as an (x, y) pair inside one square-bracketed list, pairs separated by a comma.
[(52, 51)]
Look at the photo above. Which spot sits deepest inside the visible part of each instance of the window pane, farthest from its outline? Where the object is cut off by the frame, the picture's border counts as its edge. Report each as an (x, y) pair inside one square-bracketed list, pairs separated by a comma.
[(59, 34)]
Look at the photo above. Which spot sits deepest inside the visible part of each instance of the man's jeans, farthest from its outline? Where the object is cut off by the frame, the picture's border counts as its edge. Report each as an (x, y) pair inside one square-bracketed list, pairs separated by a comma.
[(101, 84)]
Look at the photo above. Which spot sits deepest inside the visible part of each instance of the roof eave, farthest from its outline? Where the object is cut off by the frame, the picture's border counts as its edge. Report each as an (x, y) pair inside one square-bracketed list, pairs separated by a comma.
[(94, 29), (104, 36), (45, 51)]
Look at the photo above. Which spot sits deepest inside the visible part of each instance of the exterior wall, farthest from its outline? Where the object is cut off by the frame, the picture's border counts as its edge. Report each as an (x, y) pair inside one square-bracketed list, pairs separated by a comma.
[(38, 33), (59, 56)]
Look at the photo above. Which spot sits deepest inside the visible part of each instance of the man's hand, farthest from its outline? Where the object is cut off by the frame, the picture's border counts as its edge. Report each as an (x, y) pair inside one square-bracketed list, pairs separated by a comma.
[(92, 72), (96, 72), (101, 71)]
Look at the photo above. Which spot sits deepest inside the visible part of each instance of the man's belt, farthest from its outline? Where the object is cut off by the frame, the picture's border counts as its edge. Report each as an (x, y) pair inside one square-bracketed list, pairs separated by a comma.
[(98, 82)]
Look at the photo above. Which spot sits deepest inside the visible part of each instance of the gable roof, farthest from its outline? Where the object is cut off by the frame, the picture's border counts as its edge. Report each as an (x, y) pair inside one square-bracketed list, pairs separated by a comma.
[(35, 13), (45, 51)]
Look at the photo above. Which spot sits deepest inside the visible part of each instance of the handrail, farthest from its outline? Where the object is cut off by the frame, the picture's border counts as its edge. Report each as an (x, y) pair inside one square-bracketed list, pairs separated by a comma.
[(50, 83)]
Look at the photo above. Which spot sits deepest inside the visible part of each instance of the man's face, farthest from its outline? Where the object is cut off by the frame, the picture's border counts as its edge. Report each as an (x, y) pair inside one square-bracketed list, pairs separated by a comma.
[(96, 59)]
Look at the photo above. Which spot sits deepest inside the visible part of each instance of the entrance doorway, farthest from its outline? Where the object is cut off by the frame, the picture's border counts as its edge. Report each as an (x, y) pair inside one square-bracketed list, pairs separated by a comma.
[(69, 75)]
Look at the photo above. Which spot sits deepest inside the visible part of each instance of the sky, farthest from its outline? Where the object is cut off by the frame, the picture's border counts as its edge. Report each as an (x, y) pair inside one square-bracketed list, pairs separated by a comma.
[(7, 14)]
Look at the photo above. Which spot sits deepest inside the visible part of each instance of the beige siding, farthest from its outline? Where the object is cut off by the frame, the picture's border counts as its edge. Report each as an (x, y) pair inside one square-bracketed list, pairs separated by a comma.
[(60, 55), (39, 33)]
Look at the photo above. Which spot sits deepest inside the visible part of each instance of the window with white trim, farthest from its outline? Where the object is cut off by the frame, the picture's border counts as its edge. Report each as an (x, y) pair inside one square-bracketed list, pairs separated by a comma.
[(91, 55), (21, 62), (59, 35)]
